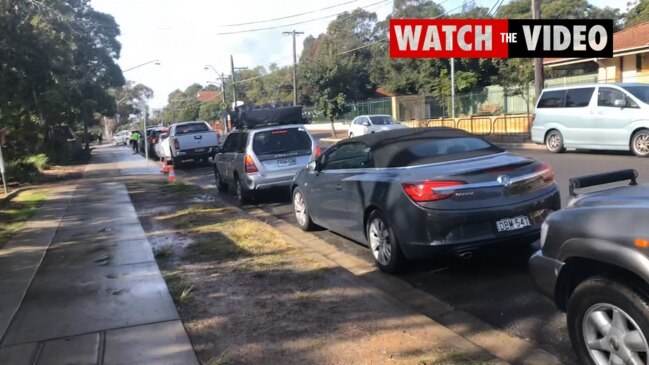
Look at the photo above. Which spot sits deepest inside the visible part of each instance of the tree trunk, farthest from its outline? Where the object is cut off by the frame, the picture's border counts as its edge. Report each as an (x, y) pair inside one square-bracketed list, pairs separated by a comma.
[(333, 129)]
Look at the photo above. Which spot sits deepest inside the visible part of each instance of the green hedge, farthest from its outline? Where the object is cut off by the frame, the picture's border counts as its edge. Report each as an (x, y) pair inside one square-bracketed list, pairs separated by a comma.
[(27, 169)]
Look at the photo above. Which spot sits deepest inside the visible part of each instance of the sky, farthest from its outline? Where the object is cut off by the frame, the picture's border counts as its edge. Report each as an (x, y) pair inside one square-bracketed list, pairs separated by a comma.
[(184, 34)]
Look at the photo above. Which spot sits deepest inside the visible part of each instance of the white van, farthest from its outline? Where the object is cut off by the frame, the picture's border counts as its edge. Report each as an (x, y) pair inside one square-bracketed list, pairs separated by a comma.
[(595, 116)]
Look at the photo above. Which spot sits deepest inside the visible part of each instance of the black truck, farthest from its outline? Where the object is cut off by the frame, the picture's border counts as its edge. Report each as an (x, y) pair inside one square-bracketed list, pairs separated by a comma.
[(594, 264)]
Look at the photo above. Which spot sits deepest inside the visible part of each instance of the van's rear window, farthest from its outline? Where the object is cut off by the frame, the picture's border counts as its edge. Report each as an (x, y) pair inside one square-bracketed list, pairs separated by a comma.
[(281, 141)]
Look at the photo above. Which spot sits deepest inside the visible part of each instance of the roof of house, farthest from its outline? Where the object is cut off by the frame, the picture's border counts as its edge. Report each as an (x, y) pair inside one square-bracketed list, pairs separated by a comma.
[(627, 39), (204, 96)]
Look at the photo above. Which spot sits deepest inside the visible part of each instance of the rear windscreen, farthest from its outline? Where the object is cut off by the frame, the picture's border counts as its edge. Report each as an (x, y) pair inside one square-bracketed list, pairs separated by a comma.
[(281, 141), (419, 151), (192, 128)]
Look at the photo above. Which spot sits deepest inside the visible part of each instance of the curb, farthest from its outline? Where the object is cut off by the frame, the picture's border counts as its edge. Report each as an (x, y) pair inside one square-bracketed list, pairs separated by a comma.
[(520, 146), (7, 198)]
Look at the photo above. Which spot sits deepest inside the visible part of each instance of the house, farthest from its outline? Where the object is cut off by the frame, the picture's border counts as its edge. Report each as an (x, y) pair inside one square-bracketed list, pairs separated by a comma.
[(630, 62), (204, 96)]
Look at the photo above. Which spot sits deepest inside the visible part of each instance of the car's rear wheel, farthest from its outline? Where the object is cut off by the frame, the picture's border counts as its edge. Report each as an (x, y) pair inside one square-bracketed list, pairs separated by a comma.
[(383, 243), (608, 322), (640, 143), (241, 192), (302, 211), (218, 181), (554, 142)]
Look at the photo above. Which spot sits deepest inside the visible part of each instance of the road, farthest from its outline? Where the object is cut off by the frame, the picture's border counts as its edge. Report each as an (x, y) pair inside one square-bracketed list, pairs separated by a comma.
[(493, 285)]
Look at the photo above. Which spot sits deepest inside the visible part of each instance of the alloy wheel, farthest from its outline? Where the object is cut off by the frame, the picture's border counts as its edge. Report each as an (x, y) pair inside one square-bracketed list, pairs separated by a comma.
[(554, 142), (300, 208), (613, 337), (641, 144), (380, 241)]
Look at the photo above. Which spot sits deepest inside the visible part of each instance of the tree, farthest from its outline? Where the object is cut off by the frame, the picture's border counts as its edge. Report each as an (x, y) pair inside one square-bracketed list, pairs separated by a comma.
[(561, 9), (124, 97), (638, 13), (516, 75), (209, 111)]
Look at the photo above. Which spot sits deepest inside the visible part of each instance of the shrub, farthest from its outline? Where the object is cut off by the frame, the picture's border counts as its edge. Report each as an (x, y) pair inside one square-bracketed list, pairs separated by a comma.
[(27, 169)]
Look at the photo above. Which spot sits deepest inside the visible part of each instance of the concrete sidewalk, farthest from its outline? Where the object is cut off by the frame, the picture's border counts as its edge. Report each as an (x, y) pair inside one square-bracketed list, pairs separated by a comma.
[(79, 284)]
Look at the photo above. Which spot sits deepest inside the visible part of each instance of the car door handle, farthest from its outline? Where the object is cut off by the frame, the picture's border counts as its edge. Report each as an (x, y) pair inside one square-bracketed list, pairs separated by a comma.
[(339, 187)]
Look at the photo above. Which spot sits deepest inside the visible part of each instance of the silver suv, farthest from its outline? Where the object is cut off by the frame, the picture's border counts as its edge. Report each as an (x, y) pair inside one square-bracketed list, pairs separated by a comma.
[(261, 158)]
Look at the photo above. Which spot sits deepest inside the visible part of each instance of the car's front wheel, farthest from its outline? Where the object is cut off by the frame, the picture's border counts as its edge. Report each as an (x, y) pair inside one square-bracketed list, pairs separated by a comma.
[(302, 211), (640, 143), (554, 142), (383, 243), (608, 322)]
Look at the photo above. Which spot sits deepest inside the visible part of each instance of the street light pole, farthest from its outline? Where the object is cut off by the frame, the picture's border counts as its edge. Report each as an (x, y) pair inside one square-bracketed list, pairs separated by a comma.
[(157, 62), (146, 141), (234, 94)]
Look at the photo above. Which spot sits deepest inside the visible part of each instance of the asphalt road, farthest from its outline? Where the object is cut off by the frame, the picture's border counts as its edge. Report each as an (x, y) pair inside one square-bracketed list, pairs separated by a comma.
[(493, 285)]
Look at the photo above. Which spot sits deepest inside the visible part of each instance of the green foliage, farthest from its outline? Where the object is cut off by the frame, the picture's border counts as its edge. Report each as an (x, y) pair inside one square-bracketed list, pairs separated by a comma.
[(57, 65), (209, 111), (638, 13), (561, 9), (27, 169)]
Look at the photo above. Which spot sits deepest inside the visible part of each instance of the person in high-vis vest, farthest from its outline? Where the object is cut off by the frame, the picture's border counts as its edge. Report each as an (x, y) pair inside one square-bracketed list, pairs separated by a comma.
[(135, 136)]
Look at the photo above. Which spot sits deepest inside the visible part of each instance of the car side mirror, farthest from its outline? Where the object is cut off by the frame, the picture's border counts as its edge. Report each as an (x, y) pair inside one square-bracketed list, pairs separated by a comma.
[(367, 124), (312, 166), (620, 103)]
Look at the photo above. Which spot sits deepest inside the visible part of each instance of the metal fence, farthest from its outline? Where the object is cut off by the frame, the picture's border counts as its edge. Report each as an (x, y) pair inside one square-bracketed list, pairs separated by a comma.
[(371, 106), (484, 126)]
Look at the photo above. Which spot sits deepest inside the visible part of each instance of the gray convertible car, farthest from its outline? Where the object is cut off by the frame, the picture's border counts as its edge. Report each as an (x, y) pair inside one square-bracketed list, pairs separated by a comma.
[(413, 193)]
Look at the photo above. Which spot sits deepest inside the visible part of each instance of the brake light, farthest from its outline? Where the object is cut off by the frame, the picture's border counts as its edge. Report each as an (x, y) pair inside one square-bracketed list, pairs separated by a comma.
[(547, 173), (176, 144), (249, 164), (425, 191), (318, 151)]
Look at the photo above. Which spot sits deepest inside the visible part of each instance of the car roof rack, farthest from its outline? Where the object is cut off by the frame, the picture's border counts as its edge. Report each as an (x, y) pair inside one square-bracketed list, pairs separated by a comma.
[(251, 116), (604, 178)]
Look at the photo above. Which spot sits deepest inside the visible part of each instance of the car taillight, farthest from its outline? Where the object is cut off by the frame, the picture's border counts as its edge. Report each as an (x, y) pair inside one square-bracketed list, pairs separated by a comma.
[(249, 164), (425, 191), (546, 172), (318, 151), (176, 144)]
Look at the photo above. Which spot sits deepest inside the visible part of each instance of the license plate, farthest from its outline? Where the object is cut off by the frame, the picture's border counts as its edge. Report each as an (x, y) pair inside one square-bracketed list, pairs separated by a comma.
[(286, 162), (199, 150), (512, 224)]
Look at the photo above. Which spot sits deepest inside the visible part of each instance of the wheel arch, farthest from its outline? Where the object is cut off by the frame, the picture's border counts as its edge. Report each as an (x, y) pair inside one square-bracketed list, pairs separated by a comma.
[(366, 215), (634, 131), (609, 259)]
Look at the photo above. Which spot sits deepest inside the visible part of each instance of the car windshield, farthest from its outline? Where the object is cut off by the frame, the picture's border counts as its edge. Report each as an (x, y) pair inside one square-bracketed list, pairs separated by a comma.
[(281, 141), (192, 128), (382, 120), (640, 92)]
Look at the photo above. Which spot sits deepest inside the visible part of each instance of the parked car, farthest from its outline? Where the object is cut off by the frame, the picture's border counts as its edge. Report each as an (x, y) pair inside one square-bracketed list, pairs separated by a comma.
[(596, 117), (262, 158), (419, 192), (152, 137), (162, 149), (121, 138), (366, 124), (192, 141), (594, 264)]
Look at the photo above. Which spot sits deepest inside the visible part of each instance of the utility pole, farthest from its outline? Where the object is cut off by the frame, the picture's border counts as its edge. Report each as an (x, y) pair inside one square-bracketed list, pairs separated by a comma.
[(538, 62), (2, 167), (294, 33), (234, 94), (453, 88)]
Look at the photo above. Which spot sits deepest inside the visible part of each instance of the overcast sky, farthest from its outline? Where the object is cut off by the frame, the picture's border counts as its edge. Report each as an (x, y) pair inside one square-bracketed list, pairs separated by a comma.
[(183, 34)]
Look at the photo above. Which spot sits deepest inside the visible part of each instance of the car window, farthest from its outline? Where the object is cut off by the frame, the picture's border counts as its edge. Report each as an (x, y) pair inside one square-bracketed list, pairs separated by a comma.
[(552, 99), (640, 92), (579, 98), (192, 128), (230, 142), (382, 120), (606, 97), (241, 142), (281, 141), (349, 156)]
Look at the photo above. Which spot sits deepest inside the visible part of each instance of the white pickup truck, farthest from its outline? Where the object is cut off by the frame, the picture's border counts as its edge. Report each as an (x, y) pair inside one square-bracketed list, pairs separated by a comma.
[(192, 141)]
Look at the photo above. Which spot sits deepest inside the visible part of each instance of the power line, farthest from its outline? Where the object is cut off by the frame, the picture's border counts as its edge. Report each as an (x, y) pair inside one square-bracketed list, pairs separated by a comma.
[(495, 8), (297, 23), (288, 16)]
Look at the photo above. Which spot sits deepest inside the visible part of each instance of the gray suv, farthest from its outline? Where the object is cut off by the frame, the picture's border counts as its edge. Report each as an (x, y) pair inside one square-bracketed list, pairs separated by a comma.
[(594, 264), (261, 158)]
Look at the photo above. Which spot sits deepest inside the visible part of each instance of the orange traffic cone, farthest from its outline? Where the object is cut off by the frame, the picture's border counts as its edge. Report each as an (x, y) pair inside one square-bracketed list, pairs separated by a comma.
[(165, 165), (171, 178)]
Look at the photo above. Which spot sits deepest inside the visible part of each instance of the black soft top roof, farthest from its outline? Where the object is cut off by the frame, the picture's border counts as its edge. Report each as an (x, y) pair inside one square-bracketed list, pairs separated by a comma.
[(390, 148)]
